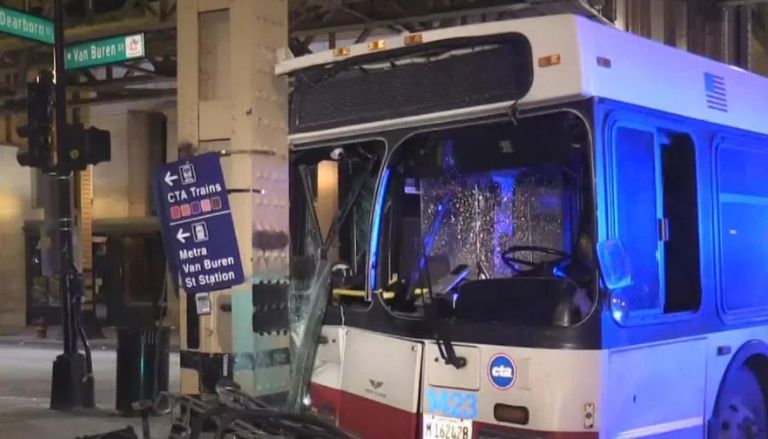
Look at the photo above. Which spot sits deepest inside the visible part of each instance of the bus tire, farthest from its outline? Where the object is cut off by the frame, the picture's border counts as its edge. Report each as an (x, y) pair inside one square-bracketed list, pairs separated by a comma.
[(741, 408)]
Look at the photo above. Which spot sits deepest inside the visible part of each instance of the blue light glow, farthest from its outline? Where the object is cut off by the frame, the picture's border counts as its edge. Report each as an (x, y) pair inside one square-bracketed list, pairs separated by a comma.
[(618, 308), (504, 223), (378, 211), (432, 233)]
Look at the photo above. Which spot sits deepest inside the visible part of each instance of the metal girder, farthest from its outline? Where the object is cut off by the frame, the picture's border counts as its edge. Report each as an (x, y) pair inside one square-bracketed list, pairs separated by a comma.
[(132, 95), (741, 2), (302, 26), (18, 106), (384, 24), (366, 27), (124, 83)]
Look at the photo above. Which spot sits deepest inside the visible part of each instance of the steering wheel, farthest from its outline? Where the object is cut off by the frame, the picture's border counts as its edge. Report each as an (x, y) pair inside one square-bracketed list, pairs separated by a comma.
[(512, 261)]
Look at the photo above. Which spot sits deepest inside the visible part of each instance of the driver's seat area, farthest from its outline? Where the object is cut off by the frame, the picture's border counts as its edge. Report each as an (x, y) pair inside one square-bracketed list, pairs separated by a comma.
[(535, 301)]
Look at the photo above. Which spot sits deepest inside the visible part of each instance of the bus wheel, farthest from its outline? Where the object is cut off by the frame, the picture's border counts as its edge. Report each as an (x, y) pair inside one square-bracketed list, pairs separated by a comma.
[(741, 409)]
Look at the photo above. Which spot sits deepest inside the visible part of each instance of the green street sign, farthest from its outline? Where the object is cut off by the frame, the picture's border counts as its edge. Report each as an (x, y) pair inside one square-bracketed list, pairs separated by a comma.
[(26, 26), (107, 51), (93, 53)]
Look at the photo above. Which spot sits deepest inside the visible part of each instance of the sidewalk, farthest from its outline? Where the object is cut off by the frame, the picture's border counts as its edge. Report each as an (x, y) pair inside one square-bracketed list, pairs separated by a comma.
[(28, 336), (25, 388)]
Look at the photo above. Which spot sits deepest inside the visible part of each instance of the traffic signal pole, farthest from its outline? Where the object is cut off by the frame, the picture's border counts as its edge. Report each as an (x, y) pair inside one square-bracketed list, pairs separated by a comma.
[(63, 185), (72, 384)]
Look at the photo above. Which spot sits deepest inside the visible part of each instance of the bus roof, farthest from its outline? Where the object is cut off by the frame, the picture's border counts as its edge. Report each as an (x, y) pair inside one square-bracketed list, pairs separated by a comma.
[(594, 60)]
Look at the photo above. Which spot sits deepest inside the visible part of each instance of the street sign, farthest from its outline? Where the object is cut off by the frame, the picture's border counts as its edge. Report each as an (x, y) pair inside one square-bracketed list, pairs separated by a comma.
[(106, 51), (25, 25), (197, 224), (110, 50)]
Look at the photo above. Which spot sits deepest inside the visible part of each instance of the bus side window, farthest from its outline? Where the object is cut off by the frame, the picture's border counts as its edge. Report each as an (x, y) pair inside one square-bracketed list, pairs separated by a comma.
[(743, 226), (681, 225), (656, 217), (637, 215)]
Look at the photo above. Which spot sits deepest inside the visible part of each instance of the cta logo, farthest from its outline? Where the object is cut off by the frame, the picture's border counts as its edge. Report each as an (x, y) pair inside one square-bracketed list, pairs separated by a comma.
[(502, 371)]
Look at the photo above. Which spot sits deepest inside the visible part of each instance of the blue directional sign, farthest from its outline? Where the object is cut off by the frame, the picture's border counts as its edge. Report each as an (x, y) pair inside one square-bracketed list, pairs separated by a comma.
[(197, 224)]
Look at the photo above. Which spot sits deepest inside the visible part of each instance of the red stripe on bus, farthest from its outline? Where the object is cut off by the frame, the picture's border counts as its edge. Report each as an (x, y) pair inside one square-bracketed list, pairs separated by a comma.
[(364, 417), (325, 400), (373, 420), (477, 426)]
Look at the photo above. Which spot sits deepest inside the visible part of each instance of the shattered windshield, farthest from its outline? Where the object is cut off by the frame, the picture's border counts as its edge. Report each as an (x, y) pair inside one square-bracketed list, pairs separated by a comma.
[(500, 202), (331, 197), (480, 213)]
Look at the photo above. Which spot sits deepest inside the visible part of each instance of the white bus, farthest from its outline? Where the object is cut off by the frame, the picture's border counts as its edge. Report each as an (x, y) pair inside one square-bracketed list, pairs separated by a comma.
[(541, 228)]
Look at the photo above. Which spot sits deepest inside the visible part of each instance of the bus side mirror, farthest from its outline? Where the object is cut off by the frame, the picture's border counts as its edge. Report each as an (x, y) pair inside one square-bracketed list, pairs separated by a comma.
[(614, 264)]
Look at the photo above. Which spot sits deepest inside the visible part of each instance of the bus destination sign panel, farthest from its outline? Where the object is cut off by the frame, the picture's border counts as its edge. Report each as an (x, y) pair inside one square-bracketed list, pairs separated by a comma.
[(197, 224)]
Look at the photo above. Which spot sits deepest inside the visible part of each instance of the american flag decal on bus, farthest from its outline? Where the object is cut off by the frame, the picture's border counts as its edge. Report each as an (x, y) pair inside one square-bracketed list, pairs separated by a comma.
[(717, 97)]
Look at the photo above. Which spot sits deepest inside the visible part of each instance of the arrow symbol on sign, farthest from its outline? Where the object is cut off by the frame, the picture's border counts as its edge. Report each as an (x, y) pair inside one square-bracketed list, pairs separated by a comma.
[(181, 236), (170, 178)]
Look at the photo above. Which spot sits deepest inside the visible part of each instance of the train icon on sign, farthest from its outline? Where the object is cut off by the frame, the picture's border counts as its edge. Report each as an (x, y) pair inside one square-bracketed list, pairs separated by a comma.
[(200, 232), (187, 173)]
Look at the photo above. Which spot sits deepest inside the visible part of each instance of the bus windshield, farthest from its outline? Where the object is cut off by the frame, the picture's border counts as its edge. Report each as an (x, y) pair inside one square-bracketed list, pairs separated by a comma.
[(495, 212), (468, 219)]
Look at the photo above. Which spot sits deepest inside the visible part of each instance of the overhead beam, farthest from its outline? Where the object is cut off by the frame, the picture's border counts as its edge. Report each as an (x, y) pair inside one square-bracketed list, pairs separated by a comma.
[(302, 28), (18, 106), (133, 96), (741, 2), (300, 32), (122, 83)]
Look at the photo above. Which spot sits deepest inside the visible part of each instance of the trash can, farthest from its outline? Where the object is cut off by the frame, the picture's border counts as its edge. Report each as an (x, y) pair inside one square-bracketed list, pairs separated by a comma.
[(142, 365)]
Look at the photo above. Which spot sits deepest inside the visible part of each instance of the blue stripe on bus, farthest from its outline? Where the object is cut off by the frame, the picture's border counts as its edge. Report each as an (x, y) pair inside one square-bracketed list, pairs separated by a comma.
[(727, 197)]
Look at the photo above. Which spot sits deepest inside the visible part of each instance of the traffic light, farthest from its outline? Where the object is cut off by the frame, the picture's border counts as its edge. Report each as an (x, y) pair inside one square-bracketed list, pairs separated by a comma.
[(39, 150), (83, 147)]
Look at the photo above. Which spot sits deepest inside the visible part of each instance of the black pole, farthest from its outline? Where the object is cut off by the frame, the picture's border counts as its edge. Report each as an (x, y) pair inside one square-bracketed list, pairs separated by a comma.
[(72, 384), (63, 186)]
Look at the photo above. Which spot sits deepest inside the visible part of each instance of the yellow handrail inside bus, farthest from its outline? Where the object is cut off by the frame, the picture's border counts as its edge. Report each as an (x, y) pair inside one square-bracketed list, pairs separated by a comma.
[(360, 294)]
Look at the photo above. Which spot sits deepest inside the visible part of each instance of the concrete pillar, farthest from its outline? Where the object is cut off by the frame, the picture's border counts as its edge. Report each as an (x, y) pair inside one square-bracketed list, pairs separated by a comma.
[(620, 14), (15, 196), (112, 179), (639, 17), (678, 25), (658, 9), (229, 100), (759, 58), (140, 143)]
